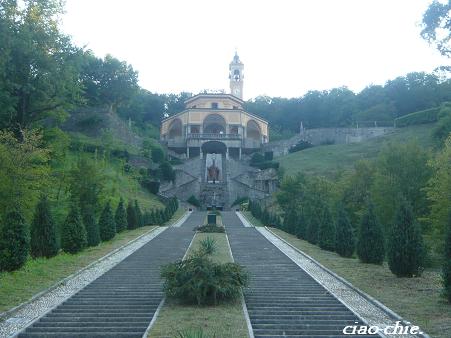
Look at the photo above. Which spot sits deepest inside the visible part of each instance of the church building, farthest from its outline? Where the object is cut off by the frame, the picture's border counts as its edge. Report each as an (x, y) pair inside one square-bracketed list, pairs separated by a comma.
[(216, 123)]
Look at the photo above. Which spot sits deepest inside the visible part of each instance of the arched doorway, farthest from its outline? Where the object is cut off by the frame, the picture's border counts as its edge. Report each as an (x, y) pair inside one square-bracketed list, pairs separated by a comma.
[(175, 129), (214, 147), (214, 124), (253, 130)]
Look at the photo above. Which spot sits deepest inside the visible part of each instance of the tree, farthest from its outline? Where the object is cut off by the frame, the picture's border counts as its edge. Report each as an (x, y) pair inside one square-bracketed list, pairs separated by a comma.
[(289, 222), (167, 173), (437, 26), (107, 225), (312, 229), (14, 242), (344, 238), (139, 215), (91, 226), (120, 217), (405, 243), (132, 220), (157, 154), (39, 67), (370, 247), (326, 235), (43, 231), (73, 232), (447, 261), (108, 82)]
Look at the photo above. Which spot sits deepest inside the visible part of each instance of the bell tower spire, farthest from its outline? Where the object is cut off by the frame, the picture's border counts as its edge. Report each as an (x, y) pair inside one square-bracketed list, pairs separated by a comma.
[(236, 76)]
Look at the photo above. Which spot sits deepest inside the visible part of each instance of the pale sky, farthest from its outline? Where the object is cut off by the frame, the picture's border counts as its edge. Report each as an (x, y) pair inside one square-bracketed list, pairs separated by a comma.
[(287, 46)]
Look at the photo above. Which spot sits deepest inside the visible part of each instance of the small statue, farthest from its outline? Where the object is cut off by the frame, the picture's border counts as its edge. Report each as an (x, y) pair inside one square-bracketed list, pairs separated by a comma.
[(213, 172)]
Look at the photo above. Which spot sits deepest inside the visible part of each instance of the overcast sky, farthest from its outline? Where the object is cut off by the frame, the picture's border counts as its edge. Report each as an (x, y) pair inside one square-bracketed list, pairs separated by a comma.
[(287, 46)]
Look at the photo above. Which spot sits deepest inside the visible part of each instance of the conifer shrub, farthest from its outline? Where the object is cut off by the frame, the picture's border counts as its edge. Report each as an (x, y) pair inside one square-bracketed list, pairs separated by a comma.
[(326, 235), (344, 238), (132, 220), (290, 222), (14, 242), (120, 217), (91, 226), (312, 229), (210, 228), (199, 280), (107, 224), (446, 270), (73, 232), (405, 243), (139, 215), (370, 247), (301, 227), (43, 231)]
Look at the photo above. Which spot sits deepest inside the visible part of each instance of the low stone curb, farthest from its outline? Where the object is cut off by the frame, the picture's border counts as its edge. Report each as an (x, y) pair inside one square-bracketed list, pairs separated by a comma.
[(391, 314)]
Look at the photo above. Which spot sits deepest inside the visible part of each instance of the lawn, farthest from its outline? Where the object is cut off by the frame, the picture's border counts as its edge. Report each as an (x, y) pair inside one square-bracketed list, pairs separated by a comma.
[(225, 320), (327, 159), (417, 300), (39, 274)]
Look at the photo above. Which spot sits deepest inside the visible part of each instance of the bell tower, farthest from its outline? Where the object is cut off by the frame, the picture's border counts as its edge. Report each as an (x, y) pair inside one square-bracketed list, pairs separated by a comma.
[(236, 76)]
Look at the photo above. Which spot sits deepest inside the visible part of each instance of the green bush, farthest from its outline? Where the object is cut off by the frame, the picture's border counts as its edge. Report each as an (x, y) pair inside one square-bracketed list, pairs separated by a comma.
[(91, 226), (14, 242), (194, 334), (419, 117), (256, 159), (344, 238), (301, 145), (107, 226), (208, 246), (198, 280), (370, 247), (132, 220), (120, 217), (157, 154), (405, 244), (312, 228), (240, 200), (447, 262), (167, 173), (210, 228), (43, 231), (139, 215), (193, 201), (73, 232), (326, 235)]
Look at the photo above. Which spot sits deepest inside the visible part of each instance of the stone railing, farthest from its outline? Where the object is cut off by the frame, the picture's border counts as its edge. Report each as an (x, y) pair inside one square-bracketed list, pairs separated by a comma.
[(212, 136)]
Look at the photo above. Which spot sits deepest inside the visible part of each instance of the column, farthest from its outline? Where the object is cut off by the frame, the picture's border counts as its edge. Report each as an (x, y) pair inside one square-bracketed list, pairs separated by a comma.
[(239, 153), (187, 152), (227, 153)]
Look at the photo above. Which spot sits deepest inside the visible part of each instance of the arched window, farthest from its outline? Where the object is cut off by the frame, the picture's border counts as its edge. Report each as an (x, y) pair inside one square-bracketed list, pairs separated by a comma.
[(214, 124), (175, 129), (253, 130)]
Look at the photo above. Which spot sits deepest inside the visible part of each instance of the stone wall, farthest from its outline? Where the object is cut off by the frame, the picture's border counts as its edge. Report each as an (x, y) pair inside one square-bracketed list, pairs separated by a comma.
[(327, 136)]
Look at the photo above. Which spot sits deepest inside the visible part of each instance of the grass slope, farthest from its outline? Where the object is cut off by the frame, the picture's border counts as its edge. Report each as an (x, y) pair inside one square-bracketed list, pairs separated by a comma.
[(327, 159), (416, 299), (226, 320)]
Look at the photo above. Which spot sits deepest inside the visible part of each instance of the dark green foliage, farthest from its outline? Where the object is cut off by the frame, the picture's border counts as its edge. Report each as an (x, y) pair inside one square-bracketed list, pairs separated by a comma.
[(193, 201), (405, 243), (73, 232), (198, 280), (14, 242), (91, 226), (43, 231), (447, 262), (157, 154), (301, 226), (210, 228), (162, 216), (269, 155), (256, 159), (240, 200), (208, 246), (301, 145), (290, 222), (312, 229), (419, 117), (370, 246), (132, 219), (107, 225), (120, 217), (139, 215), (326, 235), (344, 238), (166, 171), (150, 184)]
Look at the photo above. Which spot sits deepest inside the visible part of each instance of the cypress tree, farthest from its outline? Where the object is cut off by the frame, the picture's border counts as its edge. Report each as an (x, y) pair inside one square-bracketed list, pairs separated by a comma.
[(447, 262), (344, 238), (405, 243), (14, 242), (132, 221), (73, 232), (289, 222), (107, 225), (120, 217), (139, 215), (326, 234), (312, 229), (300, 225), (162, 216), (91, 226), (370, 247), (43, 231)]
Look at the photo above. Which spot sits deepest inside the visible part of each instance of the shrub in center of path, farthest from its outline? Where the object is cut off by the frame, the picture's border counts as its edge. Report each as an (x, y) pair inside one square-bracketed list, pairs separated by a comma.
[(210, 228), (198, 280)]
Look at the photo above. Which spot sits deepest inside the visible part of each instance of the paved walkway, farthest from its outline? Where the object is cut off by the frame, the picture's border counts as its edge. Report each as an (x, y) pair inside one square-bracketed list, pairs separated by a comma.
[(283, 300), (122, 302)]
